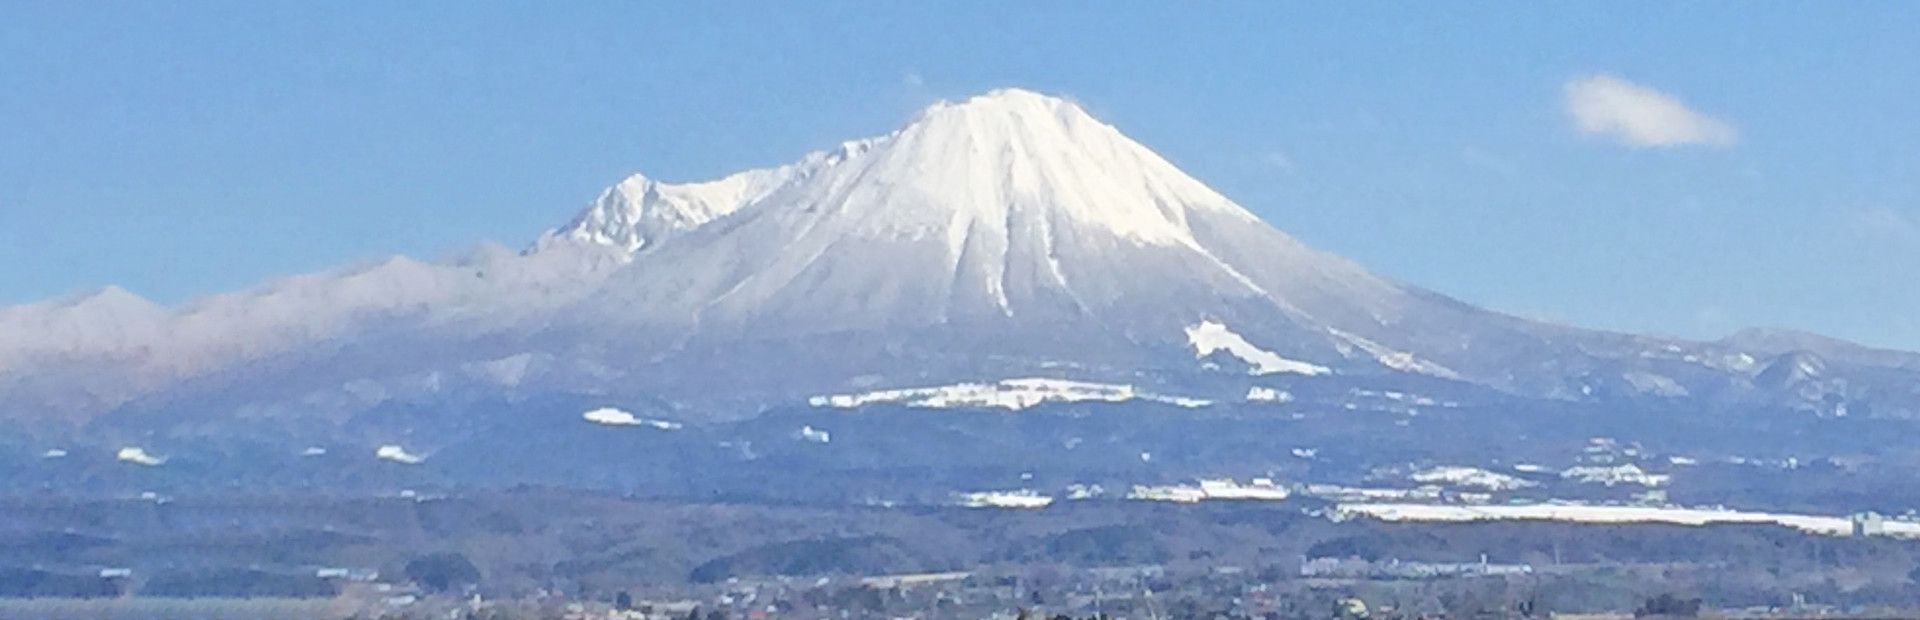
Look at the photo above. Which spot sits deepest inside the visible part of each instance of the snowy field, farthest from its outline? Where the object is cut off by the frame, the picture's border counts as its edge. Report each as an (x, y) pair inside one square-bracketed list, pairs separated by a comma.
[(1574, 513), (1011, 394)]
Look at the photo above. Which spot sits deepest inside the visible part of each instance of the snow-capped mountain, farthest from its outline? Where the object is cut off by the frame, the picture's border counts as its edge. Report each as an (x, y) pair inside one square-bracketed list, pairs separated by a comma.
[(1008, 209), (1008, 235)]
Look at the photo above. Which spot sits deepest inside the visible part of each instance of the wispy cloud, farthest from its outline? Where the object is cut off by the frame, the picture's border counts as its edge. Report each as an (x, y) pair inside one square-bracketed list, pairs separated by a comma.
[(1640, 117), (913, 79)]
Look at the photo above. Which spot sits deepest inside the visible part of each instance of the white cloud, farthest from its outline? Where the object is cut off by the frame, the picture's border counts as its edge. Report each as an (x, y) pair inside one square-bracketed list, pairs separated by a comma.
[(1637, 116), (913, 79)]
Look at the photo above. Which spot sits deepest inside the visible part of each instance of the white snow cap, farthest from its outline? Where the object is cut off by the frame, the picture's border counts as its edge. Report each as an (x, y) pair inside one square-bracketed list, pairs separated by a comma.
[(813, 435), (1011, 204), (1007, 150), (1013, 149)]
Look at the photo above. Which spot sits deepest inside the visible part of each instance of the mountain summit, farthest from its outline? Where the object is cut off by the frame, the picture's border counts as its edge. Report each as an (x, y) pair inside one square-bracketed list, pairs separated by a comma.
[(1009, 234), (978, 158)]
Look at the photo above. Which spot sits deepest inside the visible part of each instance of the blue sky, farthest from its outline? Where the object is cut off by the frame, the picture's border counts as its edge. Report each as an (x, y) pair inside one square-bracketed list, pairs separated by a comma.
[(1683, 168)]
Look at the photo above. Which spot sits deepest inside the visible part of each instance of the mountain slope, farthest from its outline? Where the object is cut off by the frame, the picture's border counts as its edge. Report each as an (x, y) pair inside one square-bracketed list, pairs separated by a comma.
[(1014, 213), (1009, 205)]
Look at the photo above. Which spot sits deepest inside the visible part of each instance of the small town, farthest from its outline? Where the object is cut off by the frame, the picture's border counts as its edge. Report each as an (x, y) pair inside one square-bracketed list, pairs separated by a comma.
[(1330, 590), (1321, 589)]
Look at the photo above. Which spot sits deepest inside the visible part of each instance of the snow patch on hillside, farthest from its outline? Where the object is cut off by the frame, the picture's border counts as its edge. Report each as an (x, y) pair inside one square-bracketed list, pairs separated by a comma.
[(139, 456), (1578, 513), (1615, 475), (813, 435), (615, 417), (1257, 394), (398, 454), (1260, 489), (1339, 493), (1023, 498), (1171, 493), (1473, 477), (611, 417), (1085, 491), (1010, 394), (1210, 336), (1397, 360), (1402, 397)]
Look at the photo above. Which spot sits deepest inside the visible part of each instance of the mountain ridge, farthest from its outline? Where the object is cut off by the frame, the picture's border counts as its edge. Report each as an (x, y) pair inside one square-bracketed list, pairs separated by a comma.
[(1007, 230)]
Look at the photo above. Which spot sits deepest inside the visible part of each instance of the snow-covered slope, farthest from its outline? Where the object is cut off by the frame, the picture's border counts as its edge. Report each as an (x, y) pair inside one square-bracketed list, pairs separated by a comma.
[(1011, 394), (1209, 337)]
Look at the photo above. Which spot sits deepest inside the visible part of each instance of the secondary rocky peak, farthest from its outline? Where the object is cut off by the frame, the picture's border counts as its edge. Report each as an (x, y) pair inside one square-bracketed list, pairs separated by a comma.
[(635, 211), (639, 212)]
